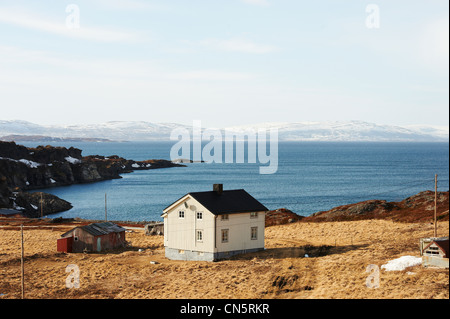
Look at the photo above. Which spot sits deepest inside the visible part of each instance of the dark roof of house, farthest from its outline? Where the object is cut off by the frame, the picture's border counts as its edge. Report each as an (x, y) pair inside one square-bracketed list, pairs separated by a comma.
[(228, 202), (98, 229)]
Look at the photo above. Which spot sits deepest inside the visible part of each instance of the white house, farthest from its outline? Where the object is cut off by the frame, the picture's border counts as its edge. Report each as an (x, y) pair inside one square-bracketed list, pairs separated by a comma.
[(213, 225)]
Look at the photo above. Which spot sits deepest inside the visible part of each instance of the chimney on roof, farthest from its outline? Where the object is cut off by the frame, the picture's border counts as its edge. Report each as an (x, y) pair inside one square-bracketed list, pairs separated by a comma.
[(218, 188)]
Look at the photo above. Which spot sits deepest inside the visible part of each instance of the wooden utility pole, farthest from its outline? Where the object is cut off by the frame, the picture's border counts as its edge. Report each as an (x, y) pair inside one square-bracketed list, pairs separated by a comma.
[(21, 264), (106, 214), (435, 205), (42, 208)]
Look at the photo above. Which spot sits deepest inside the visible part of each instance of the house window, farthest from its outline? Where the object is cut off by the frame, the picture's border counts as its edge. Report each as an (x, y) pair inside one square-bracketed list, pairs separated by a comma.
[(199, 215), (224, 235), (181, 214), (254, 233), (199, 235), (181, 251), (253, 215), (224, 217)]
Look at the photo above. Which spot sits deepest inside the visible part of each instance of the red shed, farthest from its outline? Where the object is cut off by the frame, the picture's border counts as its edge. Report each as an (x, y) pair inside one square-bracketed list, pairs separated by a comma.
[(94, 237)]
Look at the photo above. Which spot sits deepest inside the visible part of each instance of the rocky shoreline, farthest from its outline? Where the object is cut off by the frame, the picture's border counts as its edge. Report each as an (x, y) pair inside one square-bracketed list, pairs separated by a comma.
[(23, 168)]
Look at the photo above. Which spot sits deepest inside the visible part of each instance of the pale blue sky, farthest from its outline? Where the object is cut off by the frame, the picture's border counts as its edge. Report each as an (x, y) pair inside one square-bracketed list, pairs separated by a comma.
[(224, 62)]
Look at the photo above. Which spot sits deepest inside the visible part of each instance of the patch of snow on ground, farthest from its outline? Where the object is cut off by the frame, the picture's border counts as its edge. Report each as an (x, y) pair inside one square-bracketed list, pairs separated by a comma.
[(30, 164), (402, 263), (135, 165), (72, 160), (17, 207)]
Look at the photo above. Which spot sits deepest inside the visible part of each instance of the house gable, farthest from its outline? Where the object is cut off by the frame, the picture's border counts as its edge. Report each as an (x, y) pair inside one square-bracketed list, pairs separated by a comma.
[(188, 225), (170, 208), (188, 204)]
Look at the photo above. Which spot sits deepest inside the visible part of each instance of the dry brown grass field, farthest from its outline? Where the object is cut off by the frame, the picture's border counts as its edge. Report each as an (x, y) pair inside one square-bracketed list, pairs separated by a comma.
[(339, 253)]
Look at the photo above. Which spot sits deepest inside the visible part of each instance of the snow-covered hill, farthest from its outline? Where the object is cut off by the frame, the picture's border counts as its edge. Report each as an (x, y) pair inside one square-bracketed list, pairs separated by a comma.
[(351, 131), (300, 131)]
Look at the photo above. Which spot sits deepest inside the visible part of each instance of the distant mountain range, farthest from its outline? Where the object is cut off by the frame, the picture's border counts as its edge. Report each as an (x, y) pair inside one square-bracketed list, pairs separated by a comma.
[(146, 131), (49, 139)]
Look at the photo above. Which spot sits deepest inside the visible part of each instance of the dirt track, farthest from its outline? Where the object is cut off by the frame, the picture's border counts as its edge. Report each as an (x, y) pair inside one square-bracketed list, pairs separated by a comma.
[(339, 253)]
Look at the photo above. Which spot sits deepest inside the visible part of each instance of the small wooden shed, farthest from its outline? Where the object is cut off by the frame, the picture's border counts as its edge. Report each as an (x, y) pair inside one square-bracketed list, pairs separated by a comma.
[(435, 252), (95, 237), (437, 248), (434, 246)]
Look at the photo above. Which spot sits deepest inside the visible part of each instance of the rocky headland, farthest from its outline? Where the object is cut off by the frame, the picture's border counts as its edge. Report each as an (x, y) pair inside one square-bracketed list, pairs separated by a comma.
[(281, 216), (414, 209), (23, 168)]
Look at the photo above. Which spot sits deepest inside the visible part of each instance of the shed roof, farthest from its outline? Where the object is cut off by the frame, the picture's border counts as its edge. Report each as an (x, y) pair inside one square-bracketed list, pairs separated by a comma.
[(227, 202), (98, 229)]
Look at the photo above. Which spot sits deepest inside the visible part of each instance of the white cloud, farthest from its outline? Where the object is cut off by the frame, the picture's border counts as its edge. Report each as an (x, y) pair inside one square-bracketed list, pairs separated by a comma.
[(32, 21), (238, 44), (209, 75), (264, 3)]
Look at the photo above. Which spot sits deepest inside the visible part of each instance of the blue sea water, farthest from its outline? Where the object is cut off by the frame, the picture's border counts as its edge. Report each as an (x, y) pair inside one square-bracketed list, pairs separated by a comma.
[(311, 177)]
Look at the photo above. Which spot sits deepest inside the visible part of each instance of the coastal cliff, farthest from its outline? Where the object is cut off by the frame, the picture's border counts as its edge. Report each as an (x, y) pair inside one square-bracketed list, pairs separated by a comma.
[(23, 168)]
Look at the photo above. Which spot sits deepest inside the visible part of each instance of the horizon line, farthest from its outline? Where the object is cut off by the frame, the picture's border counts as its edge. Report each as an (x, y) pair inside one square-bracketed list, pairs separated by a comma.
[(441, 126)]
